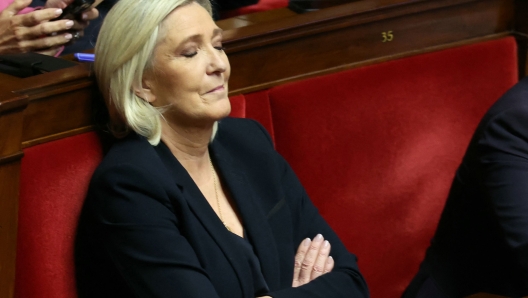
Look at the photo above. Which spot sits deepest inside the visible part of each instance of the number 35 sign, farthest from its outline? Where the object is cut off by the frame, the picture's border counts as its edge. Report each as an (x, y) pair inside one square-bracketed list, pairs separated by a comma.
[(387, 36)]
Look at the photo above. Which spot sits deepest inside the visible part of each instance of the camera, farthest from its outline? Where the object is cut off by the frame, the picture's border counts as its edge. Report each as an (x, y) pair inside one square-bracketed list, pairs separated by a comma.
[(73, 10)]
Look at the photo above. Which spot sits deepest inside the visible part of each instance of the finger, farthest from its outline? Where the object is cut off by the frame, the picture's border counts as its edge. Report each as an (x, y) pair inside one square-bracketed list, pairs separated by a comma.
[(14, 8), (90, 14), (46, 28), (58, 3), (329, 266), (36, 17), (320, 262), (44, 42), (309, 260), (299, 257), (82, 21)]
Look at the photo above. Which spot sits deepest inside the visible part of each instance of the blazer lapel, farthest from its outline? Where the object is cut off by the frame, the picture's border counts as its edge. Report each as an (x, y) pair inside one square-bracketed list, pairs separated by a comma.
[(253, 217), (206, 215)]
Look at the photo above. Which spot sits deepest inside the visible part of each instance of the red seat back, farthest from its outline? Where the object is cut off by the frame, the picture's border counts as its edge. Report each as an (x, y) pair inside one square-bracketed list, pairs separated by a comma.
[(53, 183), (377, 147)]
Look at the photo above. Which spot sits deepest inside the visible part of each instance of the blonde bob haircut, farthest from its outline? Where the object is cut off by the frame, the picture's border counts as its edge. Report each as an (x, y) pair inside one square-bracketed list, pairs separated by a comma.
[(123, 53)]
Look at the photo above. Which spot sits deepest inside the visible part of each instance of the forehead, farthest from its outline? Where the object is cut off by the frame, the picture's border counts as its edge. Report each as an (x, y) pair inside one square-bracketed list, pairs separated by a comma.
[(186, 21)]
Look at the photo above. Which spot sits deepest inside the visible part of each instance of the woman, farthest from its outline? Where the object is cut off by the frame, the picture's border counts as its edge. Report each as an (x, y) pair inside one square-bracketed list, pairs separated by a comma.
[(481, 243), (191, 203), (24, 30)]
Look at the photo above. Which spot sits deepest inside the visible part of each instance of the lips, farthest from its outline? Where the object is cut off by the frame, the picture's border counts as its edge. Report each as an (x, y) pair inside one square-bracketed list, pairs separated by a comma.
[(219, 88)]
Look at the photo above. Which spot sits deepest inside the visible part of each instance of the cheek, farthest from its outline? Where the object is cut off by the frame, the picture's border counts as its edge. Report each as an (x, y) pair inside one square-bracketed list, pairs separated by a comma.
[(178, 83), (227, 73)]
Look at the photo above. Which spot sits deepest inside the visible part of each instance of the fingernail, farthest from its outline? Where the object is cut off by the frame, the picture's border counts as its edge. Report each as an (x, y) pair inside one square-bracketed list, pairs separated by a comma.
[(84, 16), (330, 259), (306, 242), (325, 243), (69, 24), (68, 36), (318, 238), (58, 12)]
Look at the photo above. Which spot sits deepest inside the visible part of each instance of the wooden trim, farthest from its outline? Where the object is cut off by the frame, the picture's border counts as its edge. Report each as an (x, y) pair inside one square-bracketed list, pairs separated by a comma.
[(9, 189), (57, 136), (333, 18), (52, 80), (339, 68), (11, 158), (13, 103), (356, 41)]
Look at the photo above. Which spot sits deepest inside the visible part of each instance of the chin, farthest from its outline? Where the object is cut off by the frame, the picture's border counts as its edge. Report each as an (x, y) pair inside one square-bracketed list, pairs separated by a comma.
[(224, 108)]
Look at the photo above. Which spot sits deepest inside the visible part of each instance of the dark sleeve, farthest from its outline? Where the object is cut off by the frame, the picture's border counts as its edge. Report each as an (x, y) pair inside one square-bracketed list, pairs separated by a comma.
[(138, 229), (345, 280), (504, 157)]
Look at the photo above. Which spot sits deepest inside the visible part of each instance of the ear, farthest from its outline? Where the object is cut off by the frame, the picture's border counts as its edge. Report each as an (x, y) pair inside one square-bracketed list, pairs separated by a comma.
[(145, 90)]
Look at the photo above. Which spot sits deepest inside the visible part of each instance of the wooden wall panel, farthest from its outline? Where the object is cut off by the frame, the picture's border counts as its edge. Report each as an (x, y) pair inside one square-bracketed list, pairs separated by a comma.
[(338, 46), (10, 155), (74, 105)]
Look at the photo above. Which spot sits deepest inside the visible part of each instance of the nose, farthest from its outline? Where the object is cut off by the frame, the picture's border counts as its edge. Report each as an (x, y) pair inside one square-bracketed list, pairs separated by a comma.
[(218, 62)]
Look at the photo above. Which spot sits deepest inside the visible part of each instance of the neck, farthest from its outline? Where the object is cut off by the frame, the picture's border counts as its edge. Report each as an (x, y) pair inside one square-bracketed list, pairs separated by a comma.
[(190, 147)]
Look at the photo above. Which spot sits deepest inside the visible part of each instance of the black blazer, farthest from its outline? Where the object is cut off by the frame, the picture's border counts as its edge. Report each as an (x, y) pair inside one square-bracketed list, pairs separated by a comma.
[(147, 231), (481, 243)]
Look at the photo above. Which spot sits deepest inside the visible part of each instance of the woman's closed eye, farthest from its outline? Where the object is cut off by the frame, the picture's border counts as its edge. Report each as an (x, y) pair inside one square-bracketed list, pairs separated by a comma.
[(192, 53), (189, 54)]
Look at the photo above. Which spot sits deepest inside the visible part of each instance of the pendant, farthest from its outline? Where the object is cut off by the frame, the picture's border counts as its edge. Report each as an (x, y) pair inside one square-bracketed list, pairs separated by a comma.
[(226, 227)]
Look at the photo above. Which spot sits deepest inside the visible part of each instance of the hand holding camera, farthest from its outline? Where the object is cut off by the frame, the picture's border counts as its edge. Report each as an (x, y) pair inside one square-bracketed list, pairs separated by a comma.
[(79, 11), (74, 10)]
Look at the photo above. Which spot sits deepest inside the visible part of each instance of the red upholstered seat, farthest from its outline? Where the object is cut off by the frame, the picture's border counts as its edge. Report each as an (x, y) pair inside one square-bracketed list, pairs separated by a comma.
[(53, 183), (255, 106), (377, 147)]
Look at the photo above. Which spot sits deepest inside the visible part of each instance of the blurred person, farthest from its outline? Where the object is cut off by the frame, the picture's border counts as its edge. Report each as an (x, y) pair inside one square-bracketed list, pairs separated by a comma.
[(88, 39), (481, 242), (24, 29)]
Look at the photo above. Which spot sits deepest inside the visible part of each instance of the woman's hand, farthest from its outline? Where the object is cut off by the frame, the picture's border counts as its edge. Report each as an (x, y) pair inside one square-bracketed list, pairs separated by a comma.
[(312, 260), (81, 22), (32, 31)]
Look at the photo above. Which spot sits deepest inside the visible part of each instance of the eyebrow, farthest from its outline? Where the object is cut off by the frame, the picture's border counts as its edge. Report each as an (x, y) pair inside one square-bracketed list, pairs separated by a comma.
[(216, 32)]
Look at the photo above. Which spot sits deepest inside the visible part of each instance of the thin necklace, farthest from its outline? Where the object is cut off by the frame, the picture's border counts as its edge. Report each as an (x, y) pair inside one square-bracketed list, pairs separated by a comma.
[(216, 195)]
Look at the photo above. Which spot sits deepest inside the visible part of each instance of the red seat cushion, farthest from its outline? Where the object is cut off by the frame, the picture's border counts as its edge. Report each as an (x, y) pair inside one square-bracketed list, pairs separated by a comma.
[(377, 147), (53, 183)]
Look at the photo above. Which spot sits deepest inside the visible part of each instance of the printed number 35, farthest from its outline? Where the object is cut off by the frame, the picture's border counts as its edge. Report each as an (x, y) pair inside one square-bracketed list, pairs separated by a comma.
[(387, 36)]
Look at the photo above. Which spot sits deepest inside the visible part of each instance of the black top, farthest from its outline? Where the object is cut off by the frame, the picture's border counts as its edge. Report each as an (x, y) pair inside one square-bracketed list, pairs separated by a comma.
[(261, 288), (481, 243), (146, 230)]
